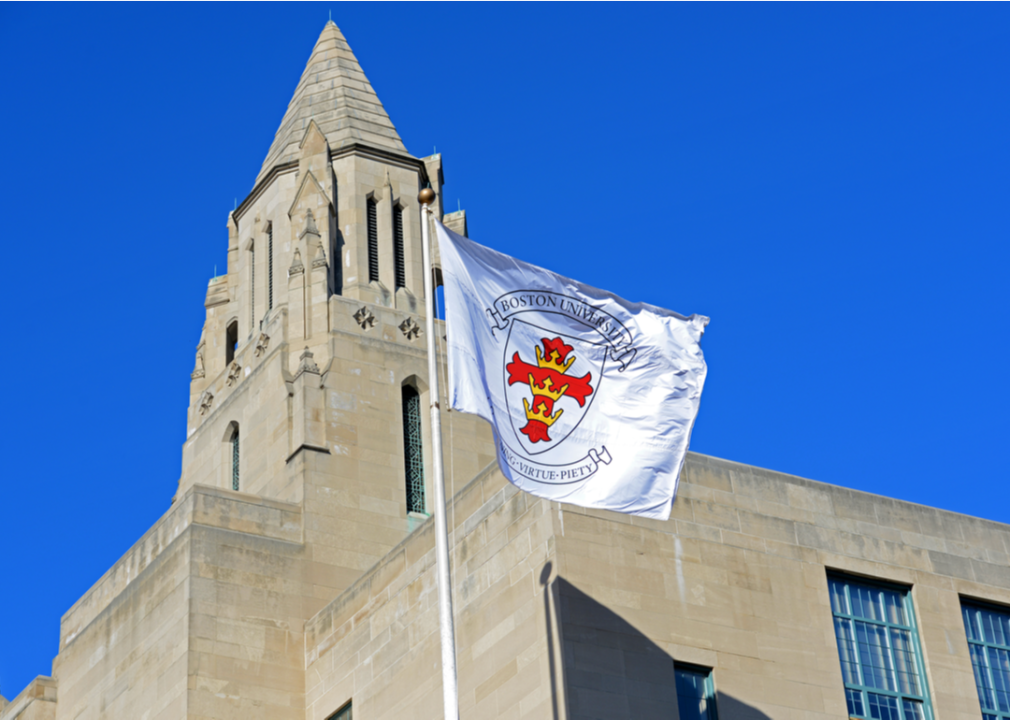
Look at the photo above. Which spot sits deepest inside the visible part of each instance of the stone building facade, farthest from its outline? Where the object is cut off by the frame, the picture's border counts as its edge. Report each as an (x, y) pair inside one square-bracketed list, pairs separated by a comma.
[(293, 576)]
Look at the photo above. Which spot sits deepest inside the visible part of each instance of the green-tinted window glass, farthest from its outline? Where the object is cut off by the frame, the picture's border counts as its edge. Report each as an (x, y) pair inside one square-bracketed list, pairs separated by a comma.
[(234, 460), (878, 647), (343, 713), (988, 631), (695, 692), (413, 450)]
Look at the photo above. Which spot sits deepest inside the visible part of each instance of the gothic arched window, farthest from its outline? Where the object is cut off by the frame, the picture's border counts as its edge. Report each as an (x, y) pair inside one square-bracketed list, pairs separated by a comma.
[(234, 459), (412, 450), (230, 342)]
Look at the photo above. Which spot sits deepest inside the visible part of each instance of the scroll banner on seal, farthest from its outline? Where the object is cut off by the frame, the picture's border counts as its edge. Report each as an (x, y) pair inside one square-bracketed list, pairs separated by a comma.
[(592, 398)]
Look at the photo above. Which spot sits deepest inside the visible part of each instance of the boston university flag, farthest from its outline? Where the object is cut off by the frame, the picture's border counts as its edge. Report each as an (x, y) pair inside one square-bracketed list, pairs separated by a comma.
[(592, 398)]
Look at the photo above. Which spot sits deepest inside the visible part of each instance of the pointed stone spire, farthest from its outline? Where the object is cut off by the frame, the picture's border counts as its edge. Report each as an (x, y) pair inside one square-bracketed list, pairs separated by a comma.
[(336, 94)]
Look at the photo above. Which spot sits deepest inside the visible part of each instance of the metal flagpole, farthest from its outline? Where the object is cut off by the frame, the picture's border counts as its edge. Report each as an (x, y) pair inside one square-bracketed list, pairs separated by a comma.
[(450, 697)]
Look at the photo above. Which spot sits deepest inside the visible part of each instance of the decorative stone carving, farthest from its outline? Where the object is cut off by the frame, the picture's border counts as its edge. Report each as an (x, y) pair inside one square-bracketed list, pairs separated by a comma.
[(320, 259), (307, 363), (410, 329), (310, 222), (234, 374), (296, 264), (262, 344), (364, 318), (198, 371), (206, 402)]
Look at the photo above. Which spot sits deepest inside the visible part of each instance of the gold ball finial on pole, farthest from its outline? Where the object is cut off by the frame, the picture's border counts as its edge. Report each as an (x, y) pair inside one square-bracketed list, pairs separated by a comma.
[(426, 196)]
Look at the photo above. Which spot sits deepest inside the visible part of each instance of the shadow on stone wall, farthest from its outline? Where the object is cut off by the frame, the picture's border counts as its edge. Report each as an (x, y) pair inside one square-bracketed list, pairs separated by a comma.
[(610, 669)]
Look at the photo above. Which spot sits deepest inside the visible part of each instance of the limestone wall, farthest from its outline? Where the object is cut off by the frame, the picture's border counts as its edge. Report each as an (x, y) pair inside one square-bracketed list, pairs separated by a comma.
[(204, 612), (247, 609), (378, 642), (737, 581), (600, 605)]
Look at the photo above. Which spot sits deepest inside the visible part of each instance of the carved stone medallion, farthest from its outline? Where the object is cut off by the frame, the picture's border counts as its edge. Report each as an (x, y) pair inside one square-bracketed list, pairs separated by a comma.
[(364, 318), (410, 329)]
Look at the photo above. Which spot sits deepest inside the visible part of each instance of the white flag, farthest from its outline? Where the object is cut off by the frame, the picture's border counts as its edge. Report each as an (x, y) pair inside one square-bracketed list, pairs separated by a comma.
[(592, 398)]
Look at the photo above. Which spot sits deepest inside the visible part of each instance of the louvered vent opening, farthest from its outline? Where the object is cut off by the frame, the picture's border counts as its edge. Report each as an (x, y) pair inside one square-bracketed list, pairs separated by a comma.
[(270, 268), (401, 270), (373, 242), (252, 289)]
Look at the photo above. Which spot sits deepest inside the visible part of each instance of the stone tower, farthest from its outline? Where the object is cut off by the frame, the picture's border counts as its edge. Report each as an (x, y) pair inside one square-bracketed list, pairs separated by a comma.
[(317, 324), (307, 456)]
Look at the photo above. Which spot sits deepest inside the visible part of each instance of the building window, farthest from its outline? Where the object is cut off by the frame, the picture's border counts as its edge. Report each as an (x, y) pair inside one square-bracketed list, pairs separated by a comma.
[(373, 242), (234, 460), (878, 646), (988, 631), (401, 268), (252, 289), (270, 267), (412, 450), (343, 713), (230, 342), (695, 692)]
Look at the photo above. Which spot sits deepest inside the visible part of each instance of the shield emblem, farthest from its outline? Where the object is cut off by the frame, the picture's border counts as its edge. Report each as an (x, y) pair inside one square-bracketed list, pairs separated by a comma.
[(550, 383)]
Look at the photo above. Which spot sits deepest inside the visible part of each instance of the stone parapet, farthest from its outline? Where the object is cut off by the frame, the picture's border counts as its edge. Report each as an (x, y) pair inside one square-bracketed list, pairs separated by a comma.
[(200, 505), (35, 702)]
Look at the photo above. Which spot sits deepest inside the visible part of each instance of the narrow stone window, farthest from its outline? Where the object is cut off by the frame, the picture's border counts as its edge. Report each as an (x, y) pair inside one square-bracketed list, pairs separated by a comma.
[(988, 630), (412, 450), (230, 342), (234, 460), (878, 646), (436, 281), (373, 242), (695, 692), (270, 267), (401, 269), (343, 713), (252, 289)]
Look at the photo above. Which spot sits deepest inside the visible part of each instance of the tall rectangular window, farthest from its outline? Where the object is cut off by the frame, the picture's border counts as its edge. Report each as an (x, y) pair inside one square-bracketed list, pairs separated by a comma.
[(412, 450), (988, 631), (695, 692), (401, 269), (373, 242), (270, 268), (878, 646)]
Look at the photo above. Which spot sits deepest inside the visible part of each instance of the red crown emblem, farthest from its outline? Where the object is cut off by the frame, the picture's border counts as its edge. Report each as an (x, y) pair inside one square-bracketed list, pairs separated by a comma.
[(549, 382)]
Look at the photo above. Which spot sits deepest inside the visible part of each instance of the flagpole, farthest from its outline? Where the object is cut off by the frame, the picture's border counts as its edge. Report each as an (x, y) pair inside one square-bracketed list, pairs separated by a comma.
[(450, 698)]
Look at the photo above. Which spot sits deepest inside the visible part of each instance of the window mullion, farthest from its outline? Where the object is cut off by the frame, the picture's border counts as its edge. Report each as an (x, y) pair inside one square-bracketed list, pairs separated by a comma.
[(863, 686), (987, 664), (889, 646)]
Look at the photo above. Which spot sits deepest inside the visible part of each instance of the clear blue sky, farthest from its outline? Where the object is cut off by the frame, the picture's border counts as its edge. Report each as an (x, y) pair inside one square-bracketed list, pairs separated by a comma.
[(829, 183)]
